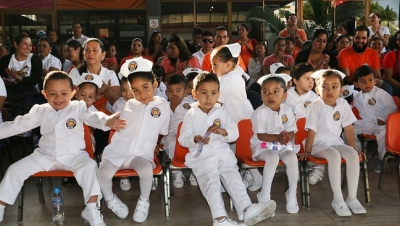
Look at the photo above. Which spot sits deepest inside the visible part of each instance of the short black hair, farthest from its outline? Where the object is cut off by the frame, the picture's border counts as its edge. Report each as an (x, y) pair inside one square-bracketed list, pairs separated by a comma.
[(197, 31), (207, 33), (329, 73), (277, 79), (205, 77), (221, 28), (282, 69), (362, 28), (158, 71), (362, 71), (57, 75), (145, 75), (290, 39), (177, 79), (292, 14), (191, 76), (76, 22), (123, 79), (300, 69)]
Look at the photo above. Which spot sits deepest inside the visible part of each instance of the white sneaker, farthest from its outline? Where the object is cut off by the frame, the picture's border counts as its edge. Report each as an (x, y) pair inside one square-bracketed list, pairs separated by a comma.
[(341, 209), (316, 175), (1, 214), (257, 184), (193, 180), (227, 222), (93, 217), (125, 184), (247, 179), (262, 198), (356, 206), (155, 184), (141, 211), (256, 213), (118, 207), (291, 203), (178, 178)]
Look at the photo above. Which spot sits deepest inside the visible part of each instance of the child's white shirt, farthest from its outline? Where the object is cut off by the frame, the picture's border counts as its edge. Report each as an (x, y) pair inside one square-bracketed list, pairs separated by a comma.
[(92, 108), (105, 75), (62, 131), (233, 96), (299, 103), (161, 91), (51, 61), (119, 105), (328, 123), (139, 138), (264, 120), (196, 122), (374, 105)]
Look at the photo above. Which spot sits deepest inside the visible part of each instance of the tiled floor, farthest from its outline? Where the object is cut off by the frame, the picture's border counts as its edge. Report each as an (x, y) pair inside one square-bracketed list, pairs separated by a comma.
[(188, 207)]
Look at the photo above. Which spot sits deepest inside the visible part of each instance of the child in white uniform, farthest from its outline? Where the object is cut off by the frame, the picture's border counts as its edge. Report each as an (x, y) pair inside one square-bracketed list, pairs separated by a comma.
[(325, 119), (179, 105), (61, 145), (161, 90), (274, 125), (146, 117), (233, 94), (206, 130), (190, 74), (374, 105), (88, 89)]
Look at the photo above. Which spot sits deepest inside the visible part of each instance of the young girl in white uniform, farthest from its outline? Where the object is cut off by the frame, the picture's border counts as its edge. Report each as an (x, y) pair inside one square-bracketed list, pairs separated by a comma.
[(61, 145), (206, 130), (274, 125), (146, 117), (374, 105), (233, 93), (325, 119)]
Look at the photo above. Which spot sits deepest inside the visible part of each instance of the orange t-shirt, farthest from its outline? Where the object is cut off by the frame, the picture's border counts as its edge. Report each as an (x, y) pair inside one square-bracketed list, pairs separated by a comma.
[(246, 56), (207, 63), (300, 32), (350, 59)]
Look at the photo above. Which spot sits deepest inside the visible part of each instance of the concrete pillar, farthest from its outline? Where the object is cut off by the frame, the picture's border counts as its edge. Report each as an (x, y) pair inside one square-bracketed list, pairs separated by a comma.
[(153, 20)]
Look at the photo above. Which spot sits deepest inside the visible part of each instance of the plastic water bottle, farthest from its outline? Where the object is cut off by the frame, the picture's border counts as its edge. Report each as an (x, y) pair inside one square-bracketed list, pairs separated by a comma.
[(58, 206)]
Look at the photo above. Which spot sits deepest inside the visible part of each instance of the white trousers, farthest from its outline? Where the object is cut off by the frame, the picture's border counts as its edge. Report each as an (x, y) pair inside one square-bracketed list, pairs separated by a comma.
[(333, 155), (378, 131), (271, 159), (142, 166), (209, 180), (84, 170)]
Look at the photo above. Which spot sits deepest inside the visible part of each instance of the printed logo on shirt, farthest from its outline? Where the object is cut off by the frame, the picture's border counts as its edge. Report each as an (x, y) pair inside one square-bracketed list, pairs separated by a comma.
[(155, 112), (132, 66), (89, 77), (336, 115), (71, 123), (284, 119), (307, 103), (345, 92), (372, 101), (217, 122), (186, 106)]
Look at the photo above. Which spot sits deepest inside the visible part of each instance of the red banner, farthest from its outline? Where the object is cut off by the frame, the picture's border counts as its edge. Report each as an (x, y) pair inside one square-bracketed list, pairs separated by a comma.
[(101, 4), (27, 4)]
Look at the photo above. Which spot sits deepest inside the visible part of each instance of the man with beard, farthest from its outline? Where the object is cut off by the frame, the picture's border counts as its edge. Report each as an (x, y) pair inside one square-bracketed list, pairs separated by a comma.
[(360, 54)]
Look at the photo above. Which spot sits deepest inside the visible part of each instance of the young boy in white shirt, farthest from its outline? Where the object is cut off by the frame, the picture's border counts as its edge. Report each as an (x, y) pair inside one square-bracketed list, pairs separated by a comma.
[(179, 105), (61, 145), (88, 89), (206, 131), (374, 105)]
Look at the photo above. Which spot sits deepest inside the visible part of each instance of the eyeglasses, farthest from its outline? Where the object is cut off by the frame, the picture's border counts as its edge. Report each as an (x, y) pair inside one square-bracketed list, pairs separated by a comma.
[(207, 40)]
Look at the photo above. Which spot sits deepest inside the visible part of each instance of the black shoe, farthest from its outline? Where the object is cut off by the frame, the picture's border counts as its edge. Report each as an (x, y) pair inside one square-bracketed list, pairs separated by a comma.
[(68, 180)]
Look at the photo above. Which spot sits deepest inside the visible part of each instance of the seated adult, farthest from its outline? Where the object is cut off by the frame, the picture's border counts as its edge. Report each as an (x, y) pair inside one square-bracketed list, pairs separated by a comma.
[(391, 66), (317, 55), (154, 49), (207, 44), (292, 30), (136, 51), (178, 58), (195, 44), (50, 60), (279, 56), (248, 44), (341, 42)]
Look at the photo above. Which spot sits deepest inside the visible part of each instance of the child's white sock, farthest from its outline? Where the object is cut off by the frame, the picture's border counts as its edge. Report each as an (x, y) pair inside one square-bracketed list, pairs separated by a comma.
[(2, 208), (91, 205)]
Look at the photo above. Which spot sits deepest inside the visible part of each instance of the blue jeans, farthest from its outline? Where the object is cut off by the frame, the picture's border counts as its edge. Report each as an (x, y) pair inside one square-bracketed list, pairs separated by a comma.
[(387, 87)]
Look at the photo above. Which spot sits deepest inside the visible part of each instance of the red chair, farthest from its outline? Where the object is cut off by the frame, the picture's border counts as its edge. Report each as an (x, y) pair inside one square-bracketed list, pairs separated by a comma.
[(302, 134), (304, 185), (392, 146), (55, 173), (158, 171)]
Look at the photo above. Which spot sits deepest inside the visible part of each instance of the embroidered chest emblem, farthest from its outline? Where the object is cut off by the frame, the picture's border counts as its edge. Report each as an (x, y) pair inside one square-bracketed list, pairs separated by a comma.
[(71, 123), (336, 115), (132, 66), (155, 112), (307, 103), (186, 106), (345, 92), (372, 101), (284, 119), (217, 122)]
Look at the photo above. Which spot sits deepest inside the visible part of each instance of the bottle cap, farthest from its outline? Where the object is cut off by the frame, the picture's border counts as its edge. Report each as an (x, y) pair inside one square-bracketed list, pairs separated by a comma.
[(56, 190)]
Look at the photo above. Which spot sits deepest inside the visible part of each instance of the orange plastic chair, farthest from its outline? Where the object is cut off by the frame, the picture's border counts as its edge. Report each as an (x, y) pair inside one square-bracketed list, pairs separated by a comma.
[(304, 185), (392, 146), (396, 100), (364, 138), (55, 173), (302, 133), (158, 171)]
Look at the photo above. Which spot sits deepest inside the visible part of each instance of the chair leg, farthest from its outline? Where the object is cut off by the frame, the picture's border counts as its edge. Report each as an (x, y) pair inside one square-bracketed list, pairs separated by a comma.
[(344, 178), (230, 203), (165, 194), (21, 204), (362, 141), (398, 172), (40, 190), (307, 184), (383, 170), (366, 181), (302, 184), (167, 182)]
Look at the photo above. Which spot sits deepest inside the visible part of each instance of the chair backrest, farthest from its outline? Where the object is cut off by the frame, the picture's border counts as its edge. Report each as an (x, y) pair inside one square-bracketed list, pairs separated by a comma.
[(301, 133), (356, 112), (396, 100), (180, 152), (88, 141), (243, 150), (393, 133)]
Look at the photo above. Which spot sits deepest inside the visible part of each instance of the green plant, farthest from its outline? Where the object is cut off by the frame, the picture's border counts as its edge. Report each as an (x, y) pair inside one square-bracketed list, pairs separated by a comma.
[(266, 15)]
